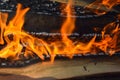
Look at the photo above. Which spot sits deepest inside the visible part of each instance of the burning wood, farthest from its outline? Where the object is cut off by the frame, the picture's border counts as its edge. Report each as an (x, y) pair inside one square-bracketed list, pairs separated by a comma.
[(17, 40)]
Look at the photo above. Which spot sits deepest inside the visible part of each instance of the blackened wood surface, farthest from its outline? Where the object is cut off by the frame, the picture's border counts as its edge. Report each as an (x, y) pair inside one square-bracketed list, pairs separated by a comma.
[(52, 23)]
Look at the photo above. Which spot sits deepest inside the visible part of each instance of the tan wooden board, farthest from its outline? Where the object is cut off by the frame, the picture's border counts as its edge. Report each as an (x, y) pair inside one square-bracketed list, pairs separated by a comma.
[(63, 68)]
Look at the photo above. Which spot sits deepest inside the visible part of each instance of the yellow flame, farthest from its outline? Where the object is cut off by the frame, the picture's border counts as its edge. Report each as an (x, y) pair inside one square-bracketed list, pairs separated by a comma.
[(16, 39)]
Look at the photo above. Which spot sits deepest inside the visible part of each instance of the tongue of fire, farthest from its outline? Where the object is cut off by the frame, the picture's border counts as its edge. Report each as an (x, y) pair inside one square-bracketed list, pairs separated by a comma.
[(103, 6), (15, 39)]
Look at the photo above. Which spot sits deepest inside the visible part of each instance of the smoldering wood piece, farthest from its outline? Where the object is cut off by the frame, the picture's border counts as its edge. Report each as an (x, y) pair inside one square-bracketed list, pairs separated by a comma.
[(23, 62), (52, 23)]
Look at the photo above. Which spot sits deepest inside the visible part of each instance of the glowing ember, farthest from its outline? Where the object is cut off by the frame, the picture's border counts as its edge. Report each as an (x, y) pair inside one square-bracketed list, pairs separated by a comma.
[(16, 39)]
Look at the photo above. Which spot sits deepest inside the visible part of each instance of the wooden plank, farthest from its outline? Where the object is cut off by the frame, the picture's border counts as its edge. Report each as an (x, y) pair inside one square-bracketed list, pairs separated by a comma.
[(63, 68), (76, 2)]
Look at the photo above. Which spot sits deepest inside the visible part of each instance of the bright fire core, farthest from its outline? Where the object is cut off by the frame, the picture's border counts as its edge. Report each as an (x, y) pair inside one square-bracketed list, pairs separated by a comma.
[(15, 39)]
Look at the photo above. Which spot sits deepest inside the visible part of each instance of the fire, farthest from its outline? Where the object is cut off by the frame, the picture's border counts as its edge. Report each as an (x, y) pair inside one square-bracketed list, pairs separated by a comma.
[(17, 41), (13, 47), (103, 6), (110, 43)]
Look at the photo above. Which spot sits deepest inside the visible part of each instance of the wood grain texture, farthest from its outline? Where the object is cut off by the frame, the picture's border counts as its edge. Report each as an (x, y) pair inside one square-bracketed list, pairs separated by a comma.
[(63, 68)]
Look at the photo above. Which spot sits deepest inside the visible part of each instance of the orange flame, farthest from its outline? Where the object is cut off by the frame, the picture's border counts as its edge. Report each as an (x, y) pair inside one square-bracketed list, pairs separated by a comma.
[(16, 39), (13, 28), (103, 6)]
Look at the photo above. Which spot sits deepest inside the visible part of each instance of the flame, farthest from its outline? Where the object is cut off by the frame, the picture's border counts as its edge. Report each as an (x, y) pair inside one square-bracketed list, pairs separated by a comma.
[(3, 20), (17, 41), (110, 42), (103, 6)]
